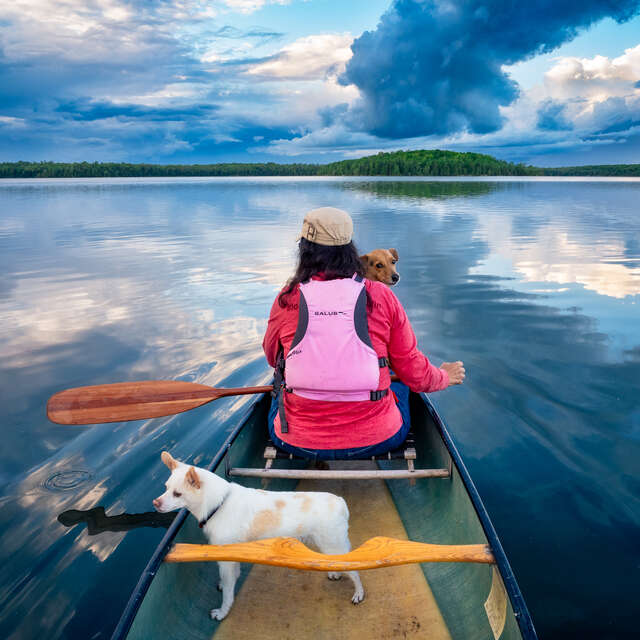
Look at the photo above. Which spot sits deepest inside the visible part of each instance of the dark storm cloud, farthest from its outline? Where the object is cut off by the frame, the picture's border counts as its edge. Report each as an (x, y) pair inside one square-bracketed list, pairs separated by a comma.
[(435, 67), (331, 115), (552, 116), (614, 115), (83, 109)]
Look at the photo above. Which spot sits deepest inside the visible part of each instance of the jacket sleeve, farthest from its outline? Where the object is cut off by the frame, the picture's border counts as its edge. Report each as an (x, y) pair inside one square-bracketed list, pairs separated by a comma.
[(271, 341), (411, 365)]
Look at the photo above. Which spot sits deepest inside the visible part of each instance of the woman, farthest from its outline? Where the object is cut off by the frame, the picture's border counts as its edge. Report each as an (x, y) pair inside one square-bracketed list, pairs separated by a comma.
[(332, 336)]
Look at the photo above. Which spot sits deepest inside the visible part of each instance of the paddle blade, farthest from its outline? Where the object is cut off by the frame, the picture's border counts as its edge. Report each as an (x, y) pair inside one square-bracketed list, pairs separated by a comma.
[(127, 401)]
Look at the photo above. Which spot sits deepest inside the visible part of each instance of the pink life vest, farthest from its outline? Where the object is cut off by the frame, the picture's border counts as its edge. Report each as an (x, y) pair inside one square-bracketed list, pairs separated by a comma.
[(331, 357)]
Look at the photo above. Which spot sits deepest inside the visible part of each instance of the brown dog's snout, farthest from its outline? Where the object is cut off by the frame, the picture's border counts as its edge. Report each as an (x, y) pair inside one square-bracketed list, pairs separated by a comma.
[(395, 277)]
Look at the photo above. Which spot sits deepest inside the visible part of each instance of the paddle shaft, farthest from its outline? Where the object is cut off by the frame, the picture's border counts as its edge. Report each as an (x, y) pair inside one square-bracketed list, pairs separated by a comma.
[(136, 400)]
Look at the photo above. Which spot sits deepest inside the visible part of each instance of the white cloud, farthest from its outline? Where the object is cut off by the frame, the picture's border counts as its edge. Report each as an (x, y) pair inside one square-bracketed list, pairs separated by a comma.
[(291, 88), (596, 78), (173, 92), (599, 94), (311, 57), (106, 30), (71, 30), (335, 139), (10, 121), (249, 6)]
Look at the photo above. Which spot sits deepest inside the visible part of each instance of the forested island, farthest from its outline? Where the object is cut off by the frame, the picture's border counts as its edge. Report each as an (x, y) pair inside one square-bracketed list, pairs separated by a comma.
[(398, 163)]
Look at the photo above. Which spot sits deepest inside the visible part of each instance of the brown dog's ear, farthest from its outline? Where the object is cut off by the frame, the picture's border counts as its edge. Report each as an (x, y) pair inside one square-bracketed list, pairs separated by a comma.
[(166, 457), (192, 478), (394, 253), (364, 258)]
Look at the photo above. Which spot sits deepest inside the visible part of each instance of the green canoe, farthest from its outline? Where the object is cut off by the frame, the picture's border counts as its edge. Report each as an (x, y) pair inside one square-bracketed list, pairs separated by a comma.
[(422, 493)]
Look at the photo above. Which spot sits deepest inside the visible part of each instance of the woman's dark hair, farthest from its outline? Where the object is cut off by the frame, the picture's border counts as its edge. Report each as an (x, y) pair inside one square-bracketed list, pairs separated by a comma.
[(333, 262)]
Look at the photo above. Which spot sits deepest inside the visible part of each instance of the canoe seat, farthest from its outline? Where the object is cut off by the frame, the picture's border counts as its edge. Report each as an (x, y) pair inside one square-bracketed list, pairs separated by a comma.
[(406, 451)]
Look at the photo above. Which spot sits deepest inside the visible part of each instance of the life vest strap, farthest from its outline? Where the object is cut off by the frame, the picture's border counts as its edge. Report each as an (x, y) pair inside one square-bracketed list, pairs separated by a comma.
[(378, 395), (278, 390)]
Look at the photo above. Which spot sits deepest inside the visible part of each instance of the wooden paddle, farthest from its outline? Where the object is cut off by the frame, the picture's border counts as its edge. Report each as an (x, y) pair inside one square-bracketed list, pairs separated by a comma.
[(136, 400), (373, 554)]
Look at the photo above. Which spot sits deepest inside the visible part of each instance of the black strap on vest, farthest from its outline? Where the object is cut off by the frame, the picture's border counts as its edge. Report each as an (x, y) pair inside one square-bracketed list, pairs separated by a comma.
[(278, 390)]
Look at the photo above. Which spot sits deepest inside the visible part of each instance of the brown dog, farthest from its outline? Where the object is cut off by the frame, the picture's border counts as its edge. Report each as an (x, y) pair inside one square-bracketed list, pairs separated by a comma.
[(380, 265)]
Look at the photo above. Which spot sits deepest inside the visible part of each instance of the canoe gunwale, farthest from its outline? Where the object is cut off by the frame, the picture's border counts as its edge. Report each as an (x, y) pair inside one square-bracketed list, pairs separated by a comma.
[(520, 610), (144, 582)]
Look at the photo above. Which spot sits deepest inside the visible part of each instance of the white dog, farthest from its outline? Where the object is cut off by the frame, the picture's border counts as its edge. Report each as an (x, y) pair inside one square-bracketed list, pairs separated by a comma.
[(228, 512)]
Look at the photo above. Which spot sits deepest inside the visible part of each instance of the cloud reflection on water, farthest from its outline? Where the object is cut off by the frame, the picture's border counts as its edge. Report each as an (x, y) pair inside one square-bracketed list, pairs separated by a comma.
[(555, 256)]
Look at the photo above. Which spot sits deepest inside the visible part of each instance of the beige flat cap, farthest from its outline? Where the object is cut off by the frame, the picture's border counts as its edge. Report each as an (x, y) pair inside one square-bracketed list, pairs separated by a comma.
[(328, 226)]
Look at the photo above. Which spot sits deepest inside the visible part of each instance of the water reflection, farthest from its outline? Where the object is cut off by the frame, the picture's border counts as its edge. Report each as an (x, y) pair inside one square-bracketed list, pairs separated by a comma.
[(603, 264), (425, 189), (98, 522), (534, 285)]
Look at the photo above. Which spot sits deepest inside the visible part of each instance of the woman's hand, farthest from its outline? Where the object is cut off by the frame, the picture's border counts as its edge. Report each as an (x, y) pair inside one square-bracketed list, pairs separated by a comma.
[(455, 371)]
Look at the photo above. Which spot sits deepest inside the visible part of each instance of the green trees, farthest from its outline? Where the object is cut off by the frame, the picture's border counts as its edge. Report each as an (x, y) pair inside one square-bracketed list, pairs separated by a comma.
[(425, 163), (432, 162), (122, 169)]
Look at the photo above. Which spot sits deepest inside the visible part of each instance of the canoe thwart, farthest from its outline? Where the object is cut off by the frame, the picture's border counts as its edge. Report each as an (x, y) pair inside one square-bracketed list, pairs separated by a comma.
[(339, 474), (375, 553)]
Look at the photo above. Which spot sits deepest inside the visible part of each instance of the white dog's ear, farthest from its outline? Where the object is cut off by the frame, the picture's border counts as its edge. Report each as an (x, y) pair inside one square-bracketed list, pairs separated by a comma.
[(166, 457), (394, 253), (192, 478)]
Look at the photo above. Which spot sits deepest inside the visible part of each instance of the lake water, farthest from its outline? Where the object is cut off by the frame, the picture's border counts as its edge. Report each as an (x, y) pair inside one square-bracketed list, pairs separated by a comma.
[(534, 283)]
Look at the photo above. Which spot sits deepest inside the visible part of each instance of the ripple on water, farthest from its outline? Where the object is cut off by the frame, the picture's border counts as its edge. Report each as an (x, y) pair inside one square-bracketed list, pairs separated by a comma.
[(66, 480)]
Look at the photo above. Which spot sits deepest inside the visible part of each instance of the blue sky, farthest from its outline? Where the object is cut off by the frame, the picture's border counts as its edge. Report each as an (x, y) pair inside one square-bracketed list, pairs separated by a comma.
[(548, 82)]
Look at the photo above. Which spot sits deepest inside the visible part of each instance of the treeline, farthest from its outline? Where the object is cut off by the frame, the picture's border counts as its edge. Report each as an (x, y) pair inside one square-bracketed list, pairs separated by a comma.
[(127, 170), (398, 163), (609, 170)]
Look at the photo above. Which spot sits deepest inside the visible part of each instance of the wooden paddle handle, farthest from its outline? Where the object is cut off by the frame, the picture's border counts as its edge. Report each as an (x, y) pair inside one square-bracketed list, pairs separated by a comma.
[(375, 553)]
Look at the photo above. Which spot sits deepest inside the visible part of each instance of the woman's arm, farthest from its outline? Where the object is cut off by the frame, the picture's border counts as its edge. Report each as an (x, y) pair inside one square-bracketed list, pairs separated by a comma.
[(271, 341), (411, 365)]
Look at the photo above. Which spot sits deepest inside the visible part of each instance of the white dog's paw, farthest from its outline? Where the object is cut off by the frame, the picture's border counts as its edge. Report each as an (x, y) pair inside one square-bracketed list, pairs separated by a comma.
[(218, 614), (334, 576), (358, 596)]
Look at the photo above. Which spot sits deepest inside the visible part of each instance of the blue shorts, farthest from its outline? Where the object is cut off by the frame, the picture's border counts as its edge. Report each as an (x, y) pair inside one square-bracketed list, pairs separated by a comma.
[(402, 394)]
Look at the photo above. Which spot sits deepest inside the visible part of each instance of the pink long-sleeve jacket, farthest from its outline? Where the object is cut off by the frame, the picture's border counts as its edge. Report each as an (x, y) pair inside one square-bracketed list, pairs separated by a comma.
[(319, 424)]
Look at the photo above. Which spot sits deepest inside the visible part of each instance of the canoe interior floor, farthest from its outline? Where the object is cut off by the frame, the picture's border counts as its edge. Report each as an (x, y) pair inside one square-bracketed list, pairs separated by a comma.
[(285, 604)]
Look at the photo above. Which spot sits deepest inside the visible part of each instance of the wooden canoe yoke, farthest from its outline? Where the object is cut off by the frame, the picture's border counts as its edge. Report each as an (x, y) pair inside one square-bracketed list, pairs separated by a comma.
[(375, 553)]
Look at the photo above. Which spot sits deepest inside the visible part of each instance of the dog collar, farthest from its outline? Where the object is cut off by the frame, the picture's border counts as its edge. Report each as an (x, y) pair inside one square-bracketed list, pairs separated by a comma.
[(212, 513)]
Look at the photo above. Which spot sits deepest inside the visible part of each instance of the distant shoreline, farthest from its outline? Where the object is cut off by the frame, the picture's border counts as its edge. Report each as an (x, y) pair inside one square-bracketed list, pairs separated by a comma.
[(405, 164)]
